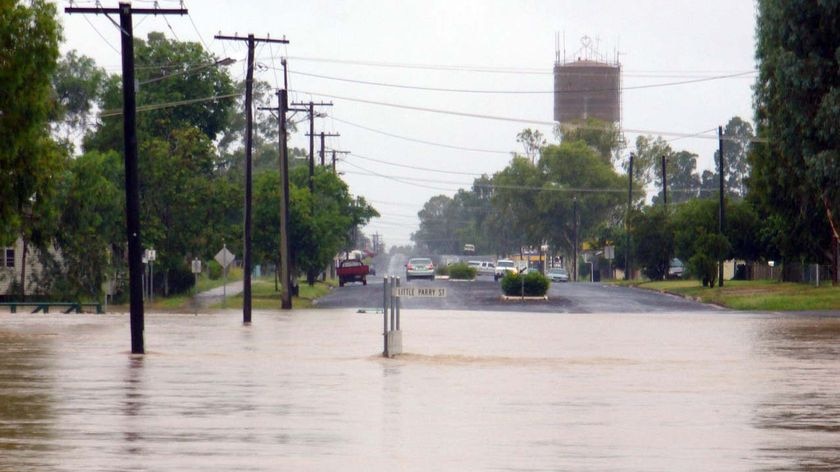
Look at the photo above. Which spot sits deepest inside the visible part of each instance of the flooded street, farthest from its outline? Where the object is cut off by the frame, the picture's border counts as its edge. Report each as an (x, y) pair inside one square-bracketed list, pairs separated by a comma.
[(308, 390)]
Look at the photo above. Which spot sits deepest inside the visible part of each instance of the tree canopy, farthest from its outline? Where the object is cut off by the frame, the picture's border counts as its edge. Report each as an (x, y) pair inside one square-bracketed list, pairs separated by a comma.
[(797, 99)]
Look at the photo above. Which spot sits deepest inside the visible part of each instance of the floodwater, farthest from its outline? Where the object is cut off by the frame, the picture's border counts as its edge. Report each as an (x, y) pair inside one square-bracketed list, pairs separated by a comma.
[(308, 390)]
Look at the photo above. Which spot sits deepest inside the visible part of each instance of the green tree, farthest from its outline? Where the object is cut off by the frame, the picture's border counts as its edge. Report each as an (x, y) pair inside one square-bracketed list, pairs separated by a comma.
[(184, 201), (575, 170), (653, 239), (77, 86), (647, 158), (605, 138), (738, 136), (168, 72), (438, 226), (90, 205), (320, 225), (797, 99), (683, 181), (532, 143), (29, 36)]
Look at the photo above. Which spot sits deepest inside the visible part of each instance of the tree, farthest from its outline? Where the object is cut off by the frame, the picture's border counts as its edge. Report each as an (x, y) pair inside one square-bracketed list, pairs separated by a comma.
[(683, 181), (532, 142), (90, 206), (183, 201), (320, 224), (168, 72), (605, 138), (649, 152), (797, 99), (653, 239), (30, 36), (437, 226), (575, 170), (737, 139), (77, 86)]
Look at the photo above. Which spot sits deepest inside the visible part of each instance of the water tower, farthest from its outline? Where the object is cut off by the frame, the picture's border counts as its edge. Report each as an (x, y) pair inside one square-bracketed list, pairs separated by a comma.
[(588, 86)]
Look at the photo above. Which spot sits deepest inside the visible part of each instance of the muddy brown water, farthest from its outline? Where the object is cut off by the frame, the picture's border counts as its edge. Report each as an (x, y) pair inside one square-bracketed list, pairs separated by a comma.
[(308, 390)]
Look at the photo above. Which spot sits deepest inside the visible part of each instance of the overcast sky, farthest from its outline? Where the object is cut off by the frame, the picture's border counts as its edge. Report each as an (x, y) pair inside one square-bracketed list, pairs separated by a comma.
[(466, 47)]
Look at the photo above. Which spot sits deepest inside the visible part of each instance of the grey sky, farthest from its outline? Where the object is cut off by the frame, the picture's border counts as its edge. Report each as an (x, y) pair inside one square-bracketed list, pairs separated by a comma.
[(383, 41)]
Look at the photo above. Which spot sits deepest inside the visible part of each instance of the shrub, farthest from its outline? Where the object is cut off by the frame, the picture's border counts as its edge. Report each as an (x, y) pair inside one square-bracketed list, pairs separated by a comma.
[(462, 271), (535, 284), (214, 269), (442, 270)]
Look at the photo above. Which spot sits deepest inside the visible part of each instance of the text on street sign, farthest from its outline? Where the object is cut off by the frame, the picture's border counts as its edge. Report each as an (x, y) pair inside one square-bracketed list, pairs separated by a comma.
[(420, 292)]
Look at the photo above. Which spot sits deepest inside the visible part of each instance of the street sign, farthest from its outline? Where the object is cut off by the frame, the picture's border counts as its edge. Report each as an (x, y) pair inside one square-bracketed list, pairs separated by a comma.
[(420, 292), (196, 266), (609, 252), (224, 257)]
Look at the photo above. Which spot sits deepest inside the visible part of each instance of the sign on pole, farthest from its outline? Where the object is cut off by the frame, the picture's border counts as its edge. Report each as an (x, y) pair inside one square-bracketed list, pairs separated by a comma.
[(609, 252), (420, 292), (224, 257)]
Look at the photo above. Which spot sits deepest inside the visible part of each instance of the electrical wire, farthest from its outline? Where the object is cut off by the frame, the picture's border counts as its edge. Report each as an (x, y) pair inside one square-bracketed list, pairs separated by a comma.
[(421, 141), (406, 166), (506, 70), (604, 90), (511, 119), (100, 34), (159, 106)]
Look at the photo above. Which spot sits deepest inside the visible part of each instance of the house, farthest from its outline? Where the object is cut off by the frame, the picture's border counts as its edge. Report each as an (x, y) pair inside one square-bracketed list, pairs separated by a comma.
[(11, 259)]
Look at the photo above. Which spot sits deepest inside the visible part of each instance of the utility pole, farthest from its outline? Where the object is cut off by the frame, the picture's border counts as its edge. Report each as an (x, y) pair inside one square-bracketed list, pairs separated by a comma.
[(334, 152), (627, 270), (664, 184), (325, 135), (132, 187), (721, 213), (282, 108), (311, 135), (575, 250), (249, 131)]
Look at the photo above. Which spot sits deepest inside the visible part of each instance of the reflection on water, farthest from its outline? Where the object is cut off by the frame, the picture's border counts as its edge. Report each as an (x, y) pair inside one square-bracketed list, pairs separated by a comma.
[(803, 405), (474, 391)]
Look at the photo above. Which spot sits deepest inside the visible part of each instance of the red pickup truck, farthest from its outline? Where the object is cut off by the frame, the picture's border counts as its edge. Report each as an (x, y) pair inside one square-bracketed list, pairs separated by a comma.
[(352, 270)]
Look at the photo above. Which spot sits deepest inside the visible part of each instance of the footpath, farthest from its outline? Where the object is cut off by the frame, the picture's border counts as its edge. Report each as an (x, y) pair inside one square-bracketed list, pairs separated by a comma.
[(215, 295)]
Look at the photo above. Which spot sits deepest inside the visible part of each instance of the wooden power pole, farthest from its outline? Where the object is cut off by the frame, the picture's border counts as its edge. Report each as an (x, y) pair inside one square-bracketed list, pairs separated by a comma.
[(249, 131), (132, 186)]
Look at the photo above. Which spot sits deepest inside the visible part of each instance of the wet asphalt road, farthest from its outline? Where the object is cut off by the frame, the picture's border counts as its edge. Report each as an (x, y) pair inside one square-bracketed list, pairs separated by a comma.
[(484, 294)]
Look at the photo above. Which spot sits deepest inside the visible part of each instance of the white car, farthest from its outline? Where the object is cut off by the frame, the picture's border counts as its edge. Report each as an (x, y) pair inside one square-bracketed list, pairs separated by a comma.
[(483, 267), (503, 266)]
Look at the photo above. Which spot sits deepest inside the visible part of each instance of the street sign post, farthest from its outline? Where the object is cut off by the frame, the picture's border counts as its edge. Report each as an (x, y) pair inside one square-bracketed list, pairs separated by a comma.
[(196, 269), (224, 258)]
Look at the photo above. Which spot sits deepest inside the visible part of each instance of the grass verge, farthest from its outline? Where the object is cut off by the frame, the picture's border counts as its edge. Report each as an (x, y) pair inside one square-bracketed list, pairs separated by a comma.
[(265, 297), (759, 295)]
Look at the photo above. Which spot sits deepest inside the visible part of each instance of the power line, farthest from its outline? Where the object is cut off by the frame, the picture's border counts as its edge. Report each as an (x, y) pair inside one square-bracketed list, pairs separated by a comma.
[(406, 166), (159, 106), (504, 70), (475, 91), (512, 119), (421, 141)]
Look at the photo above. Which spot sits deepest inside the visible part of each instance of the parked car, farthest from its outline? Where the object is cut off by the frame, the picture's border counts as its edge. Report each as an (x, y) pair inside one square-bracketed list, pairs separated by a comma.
[(483, 267), (419, 267), (503, 266), (676, 269), (558, 274)]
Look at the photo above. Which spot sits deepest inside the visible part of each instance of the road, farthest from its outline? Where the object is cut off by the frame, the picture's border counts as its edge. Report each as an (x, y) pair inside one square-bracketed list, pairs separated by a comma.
[(484, 294)]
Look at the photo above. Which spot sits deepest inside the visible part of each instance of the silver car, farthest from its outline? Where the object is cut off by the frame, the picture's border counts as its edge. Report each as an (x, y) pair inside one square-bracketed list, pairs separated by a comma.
[(419, 267), (558, 274)]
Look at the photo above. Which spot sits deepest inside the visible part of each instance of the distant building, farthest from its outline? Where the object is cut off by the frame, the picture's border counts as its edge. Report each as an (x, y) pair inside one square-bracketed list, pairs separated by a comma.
[(11, 259), (587, 87)]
